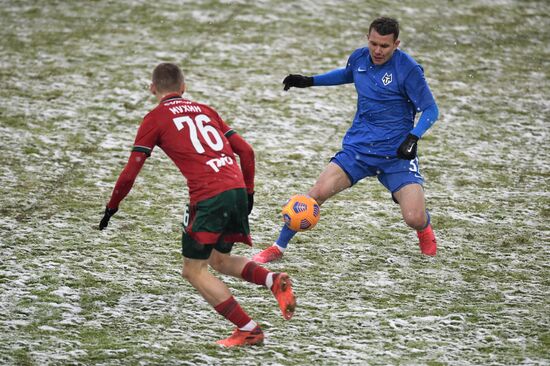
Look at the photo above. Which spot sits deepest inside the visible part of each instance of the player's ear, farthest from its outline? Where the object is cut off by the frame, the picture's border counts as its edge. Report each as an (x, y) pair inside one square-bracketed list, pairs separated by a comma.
[(153, 89), (396, 43), (182, 88)]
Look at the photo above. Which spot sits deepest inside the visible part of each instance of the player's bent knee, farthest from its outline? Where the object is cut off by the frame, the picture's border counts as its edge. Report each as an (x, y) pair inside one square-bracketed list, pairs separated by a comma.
[(416, 220), (189, 273), (185, 273), (219, 262), (320, 197), (216, 263)]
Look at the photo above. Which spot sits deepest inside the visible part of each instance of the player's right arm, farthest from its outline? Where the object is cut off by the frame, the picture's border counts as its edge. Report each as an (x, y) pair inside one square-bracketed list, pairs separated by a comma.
[(248, 164), (245, 153), (334, 77), (247, 159), (339, 76)]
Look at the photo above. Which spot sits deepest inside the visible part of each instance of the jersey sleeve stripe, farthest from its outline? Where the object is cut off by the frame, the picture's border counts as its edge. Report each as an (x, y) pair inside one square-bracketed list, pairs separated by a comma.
[(229, 133), (144, 149)]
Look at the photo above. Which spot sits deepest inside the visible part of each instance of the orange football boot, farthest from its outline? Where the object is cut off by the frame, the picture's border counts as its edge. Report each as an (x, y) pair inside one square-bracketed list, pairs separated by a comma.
[(243, 338), (282, 290), (268, 255), (427, 242)]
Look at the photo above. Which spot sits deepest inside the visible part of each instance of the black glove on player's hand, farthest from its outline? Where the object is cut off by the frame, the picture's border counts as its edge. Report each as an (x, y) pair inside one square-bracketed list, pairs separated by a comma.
[(297, 81), (106, 217), (250, 202), (407, 149)]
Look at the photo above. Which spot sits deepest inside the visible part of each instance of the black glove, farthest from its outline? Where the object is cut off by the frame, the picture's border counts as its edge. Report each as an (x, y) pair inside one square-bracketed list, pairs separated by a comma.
[(407, 149), (297, 81), (250, 202), (105, 220)]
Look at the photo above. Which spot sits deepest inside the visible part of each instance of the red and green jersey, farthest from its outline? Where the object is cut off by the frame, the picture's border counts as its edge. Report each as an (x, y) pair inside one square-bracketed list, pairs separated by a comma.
[(196, 139)]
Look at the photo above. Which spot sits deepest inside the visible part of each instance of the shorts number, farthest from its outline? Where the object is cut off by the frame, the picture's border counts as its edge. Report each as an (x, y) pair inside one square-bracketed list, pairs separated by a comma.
[(414, 165), (198, 125), (185, 217)]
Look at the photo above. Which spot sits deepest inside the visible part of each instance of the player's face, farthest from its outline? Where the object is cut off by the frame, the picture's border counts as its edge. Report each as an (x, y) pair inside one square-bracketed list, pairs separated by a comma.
[(381, 48)]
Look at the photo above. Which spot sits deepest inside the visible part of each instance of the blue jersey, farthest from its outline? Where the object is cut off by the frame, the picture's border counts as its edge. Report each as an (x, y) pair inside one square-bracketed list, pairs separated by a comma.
[(388, 97)]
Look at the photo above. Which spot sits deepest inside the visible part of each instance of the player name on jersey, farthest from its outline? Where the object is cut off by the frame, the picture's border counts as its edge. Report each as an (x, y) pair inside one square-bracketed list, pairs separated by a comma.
[(185, 109)]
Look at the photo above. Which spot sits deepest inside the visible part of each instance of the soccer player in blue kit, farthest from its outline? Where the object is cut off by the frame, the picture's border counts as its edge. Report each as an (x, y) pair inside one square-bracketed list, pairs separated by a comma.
[(382, 141)]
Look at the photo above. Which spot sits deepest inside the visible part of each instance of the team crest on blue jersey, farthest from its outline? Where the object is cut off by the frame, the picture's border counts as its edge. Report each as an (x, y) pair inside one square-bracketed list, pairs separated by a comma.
[(387, 79)]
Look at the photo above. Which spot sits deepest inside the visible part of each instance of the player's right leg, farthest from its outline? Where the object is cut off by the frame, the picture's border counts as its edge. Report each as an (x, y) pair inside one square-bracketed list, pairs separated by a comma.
[(331, 181), (241, 267)]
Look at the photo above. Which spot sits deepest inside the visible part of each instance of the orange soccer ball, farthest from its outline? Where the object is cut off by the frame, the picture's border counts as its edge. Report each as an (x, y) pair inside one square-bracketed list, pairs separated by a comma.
[(301, 212)]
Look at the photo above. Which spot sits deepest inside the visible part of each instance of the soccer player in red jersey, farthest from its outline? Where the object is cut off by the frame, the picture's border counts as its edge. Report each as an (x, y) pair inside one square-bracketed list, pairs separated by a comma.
[(203, 147)]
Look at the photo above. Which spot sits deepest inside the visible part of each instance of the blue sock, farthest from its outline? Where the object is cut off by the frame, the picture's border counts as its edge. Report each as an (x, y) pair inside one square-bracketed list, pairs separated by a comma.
[(427, 221), (285, 236)]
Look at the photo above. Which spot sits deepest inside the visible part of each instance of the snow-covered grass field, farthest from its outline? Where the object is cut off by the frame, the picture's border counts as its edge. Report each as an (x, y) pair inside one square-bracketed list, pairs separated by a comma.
[(74, 78)]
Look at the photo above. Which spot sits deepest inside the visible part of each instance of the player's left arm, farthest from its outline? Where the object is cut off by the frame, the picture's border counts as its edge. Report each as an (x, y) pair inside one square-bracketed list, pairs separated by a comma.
[(426, 120), (127, 177), (420, 94), (123, 185), (145, 141)]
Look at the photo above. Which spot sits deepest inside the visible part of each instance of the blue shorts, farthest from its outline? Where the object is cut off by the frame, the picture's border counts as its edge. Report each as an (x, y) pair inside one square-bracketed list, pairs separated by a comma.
[(393, 173)]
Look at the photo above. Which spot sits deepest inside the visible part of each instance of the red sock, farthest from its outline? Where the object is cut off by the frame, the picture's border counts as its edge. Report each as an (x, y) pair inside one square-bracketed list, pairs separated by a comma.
[(232, 311), (254, 273)]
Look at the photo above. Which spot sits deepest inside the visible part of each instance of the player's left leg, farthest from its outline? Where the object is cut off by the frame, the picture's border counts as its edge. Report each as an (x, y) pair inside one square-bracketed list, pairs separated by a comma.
[(403, 179), (217, 294), (212, 289), (197, 251), (413, 208), (411, 200)]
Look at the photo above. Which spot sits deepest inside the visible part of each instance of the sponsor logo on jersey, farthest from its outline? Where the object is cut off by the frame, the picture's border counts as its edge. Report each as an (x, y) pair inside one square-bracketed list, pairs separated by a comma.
[(216, 164), (388, 78)]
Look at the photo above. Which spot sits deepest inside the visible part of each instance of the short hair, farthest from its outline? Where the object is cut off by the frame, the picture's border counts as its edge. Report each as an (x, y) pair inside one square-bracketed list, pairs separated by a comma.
[(385, 26), (167, 77)]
